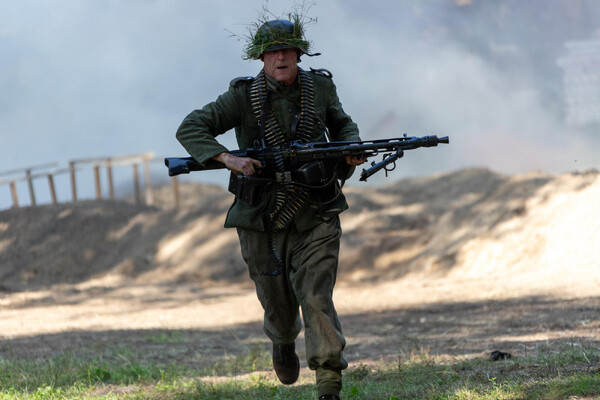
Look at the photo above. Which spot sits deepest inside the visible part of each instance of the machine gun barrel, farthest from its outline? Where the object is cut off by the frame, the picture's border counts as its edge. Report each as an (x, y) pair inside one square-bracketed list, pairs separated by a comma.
[(391, 158)]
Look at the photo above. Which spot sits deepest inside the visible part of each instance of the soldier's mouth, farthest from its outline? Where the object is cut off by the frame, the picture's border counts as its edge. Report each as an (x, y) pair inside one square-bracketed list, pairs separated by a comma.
[(282, 67)]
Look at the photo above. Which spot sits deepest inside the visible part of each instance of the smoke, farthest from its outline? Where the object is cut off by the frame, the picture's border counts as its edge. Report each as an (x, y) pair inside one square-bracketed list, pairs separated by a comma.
[(486, 74)]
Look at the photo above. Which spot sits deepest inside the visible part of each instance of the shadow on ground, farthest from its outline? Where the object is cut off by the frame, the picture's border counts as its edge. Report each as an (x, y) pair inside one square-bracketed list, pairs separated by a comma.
[(472, 329)]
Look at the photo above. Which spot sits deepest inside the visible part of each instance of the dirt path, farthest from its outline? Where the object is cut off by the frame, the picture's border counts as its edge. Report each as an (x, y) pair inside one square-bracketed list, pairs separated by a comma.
[(198, 326)]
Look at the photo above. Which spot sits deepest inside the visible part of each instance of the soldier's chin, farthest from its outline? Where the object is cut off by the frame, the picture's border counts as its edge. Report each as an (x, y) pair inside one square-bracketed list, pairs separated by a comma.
[(284, 75)]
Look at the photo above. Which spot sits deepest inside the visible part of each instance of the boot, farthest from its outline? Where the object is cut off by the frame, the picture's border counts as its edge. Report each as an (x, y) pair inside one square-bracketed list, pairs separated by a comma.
[(286, 363), (329, 397)]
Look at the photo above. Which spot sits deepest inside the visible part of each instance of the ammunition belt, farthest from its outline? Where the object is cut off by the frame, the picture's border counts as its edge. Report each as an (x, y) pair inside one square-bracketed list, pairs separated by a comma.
[(290, 197)]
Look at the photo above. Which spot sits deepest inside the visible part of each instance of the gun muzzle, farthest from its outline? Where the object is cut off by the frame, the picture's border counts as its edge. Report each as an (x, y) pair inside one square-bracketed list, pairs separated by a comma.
[(444, 139)]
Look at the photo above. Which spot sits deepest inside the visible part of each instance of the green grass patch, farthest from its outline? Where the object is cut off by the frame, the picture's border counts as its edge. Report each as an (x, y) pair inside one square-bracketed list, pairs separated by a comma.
[(175, 336), (571, 371), (257, 358)]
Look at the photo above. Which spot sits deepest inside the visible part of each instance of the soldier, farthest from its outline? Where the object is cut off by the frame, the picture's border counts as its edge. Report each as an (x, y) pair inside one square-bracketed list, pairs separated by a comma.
[(289, 232)]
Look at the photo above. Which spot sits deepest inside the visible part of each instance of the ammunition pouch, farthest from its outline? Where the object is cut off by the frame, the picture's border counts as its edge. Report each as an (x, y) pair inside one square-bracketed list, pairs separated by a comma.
[(345, 170), (314, 173), (320, 178), (246, 188)]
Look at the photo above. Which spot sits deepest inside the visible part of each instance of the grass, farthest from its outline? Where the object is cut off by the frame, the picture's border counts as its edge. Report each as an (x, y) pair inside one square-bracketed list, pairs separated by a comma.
[(571, 372)]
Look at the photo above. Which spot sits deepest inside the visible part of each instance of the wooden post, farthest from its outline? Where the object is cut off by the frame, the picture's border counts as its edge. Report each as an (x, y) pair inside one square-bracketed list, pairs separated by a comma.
[(97, 180), (30, 185), (111, 188), (175, 183), (73, 183), (136, 184), (148, 181), (52, 189), (13, 192)]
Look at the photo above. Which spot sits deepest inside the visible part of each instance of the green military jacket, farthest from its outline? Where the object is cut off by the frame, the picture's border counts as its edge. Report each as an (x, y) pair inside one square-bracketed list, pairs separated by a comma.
[(233, 109)]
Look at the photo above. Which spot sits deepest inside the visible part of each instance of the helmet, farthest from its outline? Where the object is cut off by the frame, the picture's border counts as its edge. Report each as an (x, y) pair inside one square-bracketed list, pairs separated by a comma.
[(275, 35)]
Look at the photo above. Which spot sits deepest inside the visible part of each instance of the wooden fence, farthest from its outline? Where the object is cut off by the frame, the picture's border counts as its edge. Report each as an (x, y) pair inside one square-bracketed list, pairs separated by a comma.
[(49, 171)]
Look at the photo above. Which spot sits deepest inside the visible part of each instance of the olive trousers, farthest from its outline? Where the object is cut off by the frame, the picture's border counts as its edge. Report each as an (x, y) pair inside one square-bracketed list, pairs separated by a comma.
[(306, 282)]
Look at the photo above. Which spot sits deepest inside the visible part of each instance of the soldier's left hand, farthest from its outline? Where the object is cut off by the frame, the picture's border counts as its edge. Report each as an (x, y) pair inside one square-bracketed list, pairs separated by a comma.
[(354, 160)]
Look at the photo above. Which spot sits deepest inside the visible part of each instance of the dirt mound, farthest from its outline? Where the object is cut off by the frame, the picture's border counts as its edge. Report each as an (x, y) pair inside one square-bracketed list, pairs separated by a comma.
[(70, 243), (469, 223), (478, 223)]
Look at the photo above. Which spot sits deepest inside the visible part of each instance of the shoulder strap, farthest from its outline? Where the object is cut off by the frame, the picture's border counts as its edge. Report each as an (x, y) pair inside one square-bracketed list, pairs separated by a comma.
[(322, 72), (237, 81)]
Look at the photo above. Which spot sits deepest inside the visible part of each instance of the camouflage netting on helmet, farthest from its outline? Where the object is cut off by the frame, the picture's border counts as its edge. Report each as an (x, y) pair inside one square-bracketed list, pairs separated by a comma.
[(276, 34)]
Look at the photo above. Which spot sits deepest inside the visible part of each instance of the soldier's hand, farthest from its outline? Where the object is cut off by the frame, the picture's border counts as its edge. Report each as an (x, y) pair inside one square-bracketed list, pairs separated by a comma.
[(354, 160), (241, 165)]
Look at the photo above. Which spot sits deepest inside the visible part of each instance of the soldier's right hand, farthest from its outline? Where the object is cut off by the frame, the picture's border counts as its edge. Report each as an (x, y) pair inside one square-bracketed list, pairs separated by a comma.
[(241, 165)]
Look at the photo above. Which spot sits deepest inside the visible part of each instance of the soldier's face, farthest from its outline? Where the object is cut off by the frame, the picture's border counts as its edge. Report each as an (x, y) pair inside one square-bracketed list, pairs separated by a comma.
[(281, 65)]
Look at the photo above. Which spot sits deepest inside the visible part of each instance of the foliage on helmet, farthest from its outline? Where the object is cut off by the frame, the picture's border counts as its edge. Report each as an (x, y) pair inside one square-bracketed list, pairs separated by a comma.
[(267, 35)]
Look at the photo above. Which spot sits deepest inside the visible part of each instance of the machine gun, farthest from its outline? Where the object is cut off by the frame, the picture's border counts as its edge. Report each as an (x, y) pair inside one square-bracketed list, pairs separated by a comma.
[(298, 153)]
